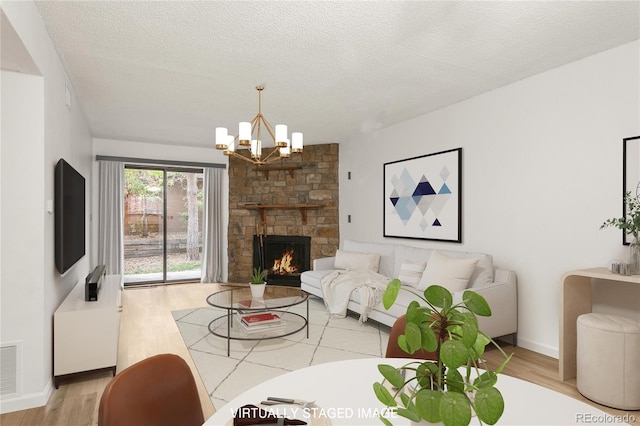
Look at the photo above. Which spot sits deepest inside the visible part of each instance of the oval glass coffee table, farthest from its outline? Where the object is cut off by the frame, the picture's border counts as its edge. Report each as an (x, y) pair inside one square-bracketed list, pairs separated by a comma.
[(277, 301)]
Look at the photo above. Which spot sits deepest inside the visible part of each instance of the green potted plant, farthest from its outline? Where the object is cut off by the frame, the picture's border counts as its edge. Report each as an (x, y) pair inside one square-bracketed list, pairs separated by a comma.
[(458, 383), (257, 283), (630, 225)]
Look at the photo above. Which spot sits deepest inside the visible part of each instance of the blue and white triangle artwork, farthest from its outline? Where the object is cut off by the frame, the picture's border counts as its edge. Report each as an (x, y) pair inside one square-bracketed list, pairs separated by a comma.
[(423, 198), (422, 201)]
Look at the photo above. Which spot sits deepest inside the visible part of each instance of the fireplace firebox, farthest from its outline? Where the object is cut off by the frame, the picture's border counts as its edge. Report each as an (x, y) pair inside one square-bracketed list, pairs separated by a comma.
[(285, 257)]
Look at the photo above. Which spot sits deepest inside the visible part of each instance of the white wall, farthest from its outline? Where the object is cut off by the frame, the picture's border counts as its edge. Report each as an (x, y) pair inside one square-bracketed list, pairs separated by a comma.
[(164, 152), (30, 281), (542, 169), (22, 223)]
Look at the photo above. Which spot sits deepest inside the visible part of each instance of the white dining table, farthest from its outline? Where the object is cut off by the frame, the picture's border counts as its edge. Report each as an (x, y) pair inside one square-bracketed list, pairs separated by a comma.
[(342, 392)]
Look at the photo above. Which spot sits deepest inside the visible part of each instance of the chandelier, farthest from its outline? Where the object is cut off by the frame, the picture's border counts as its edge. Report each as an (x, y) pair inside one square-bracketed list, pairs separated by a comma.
[(249, 139)]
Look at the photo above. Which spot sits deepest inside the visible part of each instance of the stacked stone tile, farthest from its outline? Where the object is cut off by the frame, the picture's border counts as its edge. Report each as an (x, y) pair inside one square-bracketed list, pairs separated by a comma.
[(315, 183)]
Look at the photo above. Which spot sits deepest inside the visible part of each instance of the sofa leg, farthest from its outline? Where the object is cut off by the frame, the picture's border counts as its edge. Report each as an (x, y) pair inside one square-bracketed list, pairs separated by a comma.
[(509, 338)]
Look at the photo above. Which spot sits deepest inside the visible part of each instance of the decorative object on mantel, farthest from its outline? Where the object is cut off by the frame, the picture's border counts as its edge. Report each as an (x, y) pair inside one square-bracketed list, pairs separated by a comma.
[(629, 224), (283, 146)]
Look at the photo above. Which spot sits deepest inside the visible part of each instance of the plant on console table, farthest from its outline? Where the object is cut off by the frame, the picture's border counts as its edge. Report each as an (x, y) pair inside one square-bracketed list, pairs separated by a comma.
[(458, 382), (630, 225), (258, 283)]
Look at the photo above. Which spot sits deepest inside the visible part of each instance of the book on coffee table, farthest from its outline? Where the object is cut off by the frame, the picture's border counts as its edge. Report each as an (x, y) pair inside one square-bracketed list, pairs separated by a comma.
[(260, 318), (262, 328), (261, 322)]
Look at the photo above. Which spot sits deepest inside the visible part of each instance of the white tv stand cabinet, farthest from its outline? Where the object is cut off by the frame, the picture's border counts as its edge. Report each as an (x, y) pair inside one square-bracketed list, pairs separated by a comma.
[(85, 334)]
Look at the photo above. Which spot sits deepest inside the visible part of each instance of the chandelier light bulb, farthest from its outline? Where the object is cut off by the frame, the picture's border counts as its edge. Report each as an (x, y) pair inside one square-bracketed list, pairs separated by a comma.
[(296, 142), (281, 135), (285, 151), (231, 149), (256, 149), (244, 133), (221, 138)]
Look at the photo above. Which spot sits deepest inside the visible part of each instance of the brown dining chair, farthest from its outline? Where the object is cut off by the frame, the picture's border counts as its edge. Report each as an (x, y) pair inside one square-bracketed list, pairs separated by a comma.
[(157, 391), (394, 351)]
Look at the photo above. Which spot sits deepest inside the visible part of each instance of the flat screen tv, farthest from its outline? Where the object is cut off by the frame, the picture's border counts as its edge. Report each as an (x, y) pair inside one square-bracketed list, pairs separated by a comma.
[(69, 216)]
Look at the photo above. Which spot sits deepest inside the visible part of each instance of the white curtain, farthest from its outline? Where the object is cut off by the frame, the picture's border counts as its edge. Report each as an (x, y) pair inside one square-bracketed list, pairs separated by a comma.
[(111, 216), (212, 238)]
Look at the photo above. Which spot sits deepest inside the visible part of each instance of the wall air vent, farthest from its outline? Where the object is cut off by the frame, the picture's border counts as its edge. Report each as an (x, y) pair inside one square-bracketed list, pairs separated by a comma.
[(8, 369)]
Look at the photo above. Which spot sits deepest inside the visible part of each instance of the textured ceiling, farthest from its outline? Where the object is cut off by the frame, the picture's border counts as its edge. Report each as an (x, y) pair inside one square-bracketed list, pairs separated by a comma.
[(171, 72)]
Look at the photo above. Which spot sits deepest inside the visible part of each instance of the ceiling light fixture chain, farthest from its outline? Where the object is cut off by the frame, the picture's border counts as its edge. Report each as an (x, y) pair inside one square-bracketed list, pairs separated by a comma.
[(283, 146)]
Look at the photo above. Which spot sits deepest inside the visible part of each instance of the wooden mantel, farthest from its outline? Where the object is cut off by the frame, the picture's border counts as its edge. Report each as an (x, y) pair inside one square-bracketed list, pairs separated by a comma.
[(262, 209)]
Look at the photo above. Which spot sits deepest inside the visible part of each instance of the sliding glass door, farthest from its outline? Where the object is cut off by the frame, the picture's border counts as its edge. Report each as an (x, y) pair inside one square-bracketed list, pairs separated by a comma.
[(162, 224)]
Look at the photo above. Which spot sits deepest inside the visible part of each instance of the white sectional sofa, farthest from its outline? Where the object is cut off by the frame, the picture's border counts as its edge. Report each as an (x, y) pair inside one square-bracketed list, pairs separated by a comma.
[(497, 286)]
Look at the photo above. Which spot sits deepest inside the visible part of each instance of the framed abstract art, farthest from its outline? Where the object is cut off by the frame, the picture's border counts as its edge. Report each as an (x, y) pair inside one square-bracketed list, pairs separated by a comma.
[(423, 197), (630, 175)]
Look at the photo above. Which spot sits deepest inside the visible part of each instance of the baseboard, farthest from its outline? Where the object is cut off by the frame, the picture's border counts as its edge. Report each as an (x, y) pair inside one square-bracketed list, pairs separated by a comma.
[(24, 402), (537, 347)]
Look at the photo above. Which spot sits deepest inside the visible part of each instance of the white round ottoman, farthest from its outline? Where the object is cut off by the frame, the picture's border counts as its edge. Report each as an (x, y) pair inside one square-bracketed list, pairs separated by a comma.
[(608, 360)]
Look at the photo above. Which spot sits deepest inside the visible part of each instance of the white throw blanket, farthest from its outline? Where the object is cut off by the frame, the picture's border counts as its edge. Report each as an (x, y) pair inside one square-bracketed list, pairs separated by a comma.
[(338, 286)]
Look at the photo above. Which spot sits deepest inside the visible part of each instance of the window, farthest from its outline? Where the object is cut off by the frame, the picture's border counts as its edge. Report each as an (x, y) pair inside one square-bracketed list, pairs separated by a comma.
[(162, 224)]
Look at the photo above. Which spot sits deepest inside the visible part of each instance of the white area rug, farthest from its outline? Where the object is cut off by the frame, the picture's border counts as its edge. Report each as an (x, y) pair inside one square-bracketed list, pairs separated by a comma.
[(253, 362)]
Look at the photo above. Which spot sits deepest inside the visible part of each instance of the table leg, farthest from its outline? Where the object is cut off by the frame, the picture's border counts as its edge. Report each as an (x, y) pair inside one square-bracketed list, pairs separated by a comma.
[(228, 332), (307, 318), (576, 300)]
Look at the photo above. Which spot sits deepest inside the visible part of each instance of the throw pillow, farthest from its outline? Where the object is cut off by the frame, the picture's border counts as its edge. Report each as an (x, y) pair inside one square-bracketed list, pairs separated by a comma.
[(448, 272), (355, 261), (411, 272)]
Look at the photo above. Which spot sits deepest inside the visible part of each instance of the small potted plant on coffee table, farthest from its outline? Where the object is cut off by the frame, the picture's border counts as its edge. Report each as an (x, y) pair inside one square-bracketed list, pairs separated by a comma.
[(458, 384), (258, 282)]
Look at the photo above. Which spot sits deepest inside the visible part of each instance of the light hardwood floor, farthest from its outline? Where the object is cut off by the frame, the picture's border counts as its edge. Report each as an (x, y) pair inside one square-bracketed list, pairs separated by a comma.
[(147, 328)]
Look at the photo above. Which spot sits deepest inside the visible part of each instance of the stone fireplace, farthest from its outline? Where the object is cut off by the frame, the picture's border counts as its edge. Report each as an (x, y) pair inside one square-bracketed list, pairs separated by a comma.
[(295, 197), (285, 257)]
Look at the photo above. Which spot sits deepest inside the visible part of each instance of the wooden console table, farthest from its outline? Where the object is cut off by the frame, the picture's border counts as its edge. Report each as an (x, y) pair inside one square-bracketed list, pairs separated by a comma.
[(575, 300)]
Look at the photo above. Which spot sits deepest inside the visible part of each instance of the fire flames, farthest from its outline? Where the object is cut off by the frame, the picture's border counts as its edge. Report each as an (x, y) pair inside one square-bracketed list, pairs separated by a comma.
[(284, 265)]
